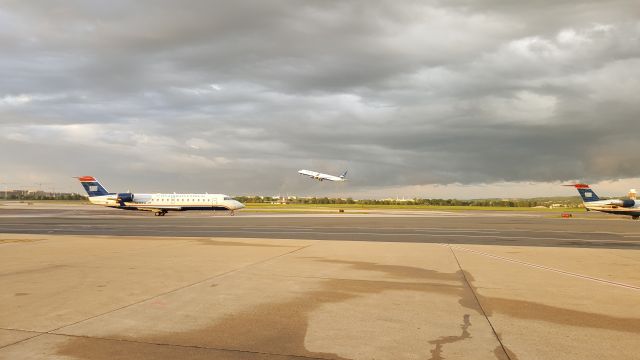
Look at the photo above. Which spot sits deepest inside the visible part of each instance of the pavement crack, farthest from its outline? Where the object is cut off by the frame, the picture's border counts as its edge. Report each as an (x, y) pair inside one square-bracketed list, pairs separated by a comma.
[(475, 296), (35, 334)]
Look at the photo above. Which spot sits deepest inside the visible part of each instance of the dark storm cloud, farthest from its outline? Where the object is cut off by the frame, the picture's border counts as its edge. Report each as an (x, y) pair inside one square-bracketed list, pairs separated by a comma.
[(241, 94)]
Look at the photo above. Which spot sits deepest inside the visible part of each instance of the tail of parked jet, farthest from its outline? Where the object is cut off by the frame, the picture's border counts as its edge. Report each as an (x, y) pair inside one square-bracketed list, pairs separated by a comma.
[(92, 186), (344, 174), (586, 193)]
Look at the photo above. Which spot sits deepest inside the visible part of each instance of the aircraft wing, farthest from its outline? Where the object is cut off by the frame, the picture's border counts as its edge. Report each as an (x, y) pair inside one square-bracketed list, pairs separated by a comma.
[(155, 207), (308, 173), (331, 178)]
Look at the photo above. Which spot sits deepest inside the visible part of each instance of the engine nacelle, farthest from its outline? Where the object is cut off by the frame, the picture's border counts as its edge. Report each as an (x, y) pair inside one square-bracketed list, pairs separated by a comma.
[(628, 203), (125, 197)]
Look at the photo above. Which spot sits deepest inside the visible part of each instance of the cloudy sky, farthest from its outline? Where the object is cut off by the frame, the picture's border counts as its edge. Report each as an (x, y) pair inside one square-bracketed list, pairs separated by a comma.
[(454, 98)]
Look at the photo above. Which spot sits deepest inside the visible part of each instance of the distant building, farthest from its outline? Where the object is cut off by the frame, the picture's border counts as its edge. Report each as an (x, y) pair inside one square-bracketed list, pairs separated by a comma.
[(277, 199), (397, 199)]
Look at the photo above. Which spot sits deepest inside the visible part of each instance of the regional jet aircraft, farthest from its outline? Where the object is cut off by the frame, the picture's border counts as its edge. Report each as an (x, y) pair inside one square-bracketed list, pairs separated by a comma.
[(321, 177), (160, 204), (629, 207)]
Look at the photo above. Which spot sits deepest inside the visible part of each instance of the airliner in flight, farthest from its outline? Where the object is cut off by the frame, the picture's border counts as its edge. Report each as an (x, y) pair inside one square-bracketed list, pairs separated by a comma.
[(321, 177), (160, 204), (629, 207)]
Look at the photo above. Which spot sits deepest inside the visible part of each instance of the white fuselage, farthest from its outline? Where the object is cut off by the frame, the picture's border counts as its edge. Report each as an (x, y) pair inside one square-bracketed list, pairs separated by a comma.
[(170, 201), (615, 206), (320, 176)]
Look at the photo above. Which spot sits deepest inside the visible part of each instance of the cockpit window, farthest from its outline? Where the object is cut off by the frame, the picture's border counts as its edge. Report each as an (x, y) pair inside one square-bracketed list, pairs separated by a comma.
[(228, 198)]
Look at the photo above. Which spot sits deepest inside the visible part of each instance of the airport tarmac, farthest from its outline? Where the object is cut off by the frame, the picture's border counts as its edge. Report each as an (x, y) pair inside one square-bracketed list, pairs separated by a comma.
[(108, 284)]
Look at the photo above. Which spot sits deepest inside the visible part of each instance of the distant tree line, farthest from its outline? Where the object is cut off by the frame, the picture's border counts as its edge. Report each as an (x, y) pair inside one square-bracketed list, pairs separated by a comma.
[(546, 202), (25, 195)]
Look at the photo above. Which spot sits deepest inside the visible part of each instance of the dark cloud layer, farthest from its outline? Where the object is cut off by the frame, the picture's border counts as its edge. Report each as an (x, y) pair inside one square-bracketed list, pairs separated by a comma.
[(238, 95)]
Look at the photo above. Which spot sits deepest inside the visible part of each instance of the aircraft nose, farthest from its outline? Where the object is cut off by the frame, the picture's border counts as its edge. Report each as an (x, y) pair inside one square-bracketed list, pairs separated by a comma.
[(239, 205)]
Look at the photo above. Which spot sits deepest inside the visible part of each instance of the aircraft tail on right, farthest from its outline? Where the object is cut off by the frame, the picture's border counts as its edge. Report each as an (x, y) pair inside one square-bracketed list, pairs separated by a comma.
[(586, 193), (344, 174), (92, 186)]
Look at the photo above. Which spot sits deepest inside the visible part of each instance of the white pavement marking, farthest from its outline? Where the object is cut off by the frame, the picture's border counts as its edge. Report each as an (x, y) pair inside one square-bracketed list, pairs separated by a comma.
[(542, 267), (292, 232)]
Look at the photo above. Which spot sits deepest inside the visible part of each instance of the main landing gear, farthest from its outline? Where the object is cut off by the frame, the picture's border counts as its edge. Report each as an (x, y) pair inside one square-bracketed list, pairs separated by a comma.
[(160, 213), (635, 217)]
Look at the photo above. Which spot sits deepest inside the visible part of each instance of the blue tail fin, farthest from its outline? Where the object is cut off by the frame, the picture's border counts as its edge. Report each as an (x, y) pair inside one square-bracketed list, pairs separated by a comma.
[(344, 174), (92, 186), (586, 193)]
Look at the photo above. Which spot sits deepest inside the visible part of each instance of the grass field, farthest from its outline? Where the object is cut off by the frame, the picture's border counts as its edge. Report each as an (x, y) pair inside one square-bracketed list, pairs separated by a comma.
[(302, 208), (70, 202), (261, 207)]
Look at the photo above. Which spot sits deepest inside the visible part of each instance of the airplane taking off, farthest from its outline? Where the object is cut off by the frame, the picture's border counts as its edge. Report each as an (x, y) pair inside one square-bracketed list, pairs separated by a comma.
[(160, 204), (321, 177), (629, 207)]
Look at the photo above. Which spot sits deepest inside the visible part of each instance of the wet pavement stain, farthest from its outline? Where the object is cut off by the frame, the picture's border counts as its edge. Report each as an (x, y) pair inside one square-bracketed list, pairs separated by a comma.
[(280, 327), (20, 294), (436, 353), (535, 311), (395, 271), (105, 349)]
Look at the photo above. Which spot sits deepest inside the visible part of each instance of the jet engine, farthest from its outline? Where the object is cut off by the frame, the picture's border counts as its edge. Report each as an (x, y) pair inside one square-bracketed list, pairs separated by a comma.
[(124, 197), (628, 203)]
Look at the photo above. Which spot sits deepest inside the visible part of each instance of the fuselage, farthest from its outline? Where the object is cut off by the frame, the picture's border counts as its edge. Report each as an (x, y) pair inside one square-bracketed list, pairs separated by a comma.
[(628, 207), (159, 203), (591, 201), (179, 202), (321, 176)]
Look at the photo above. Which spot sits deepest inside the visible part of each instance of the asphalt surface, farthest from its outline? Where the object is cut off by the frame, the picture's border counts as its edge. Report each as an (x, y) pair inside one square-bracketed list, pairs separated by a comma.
[(82, 282), (481, 227)]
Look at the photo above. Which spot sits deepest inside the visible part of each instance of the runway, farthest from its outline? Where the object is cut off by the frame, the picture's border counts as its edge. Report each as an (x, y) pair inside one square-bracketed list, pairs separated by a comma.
[(490, 228), (89, 283)]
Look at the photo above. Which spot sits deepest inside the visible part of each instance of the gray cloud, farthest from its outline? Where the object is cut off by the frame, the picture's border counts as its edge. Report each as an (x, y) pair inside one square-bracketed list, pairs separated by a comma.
[(237, 96)]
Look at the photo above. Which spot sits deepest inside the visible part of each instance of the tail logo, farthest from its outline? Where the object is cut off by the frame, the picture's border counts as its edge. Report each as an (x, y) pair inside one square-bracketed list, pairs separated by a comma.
[(92, 186)]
